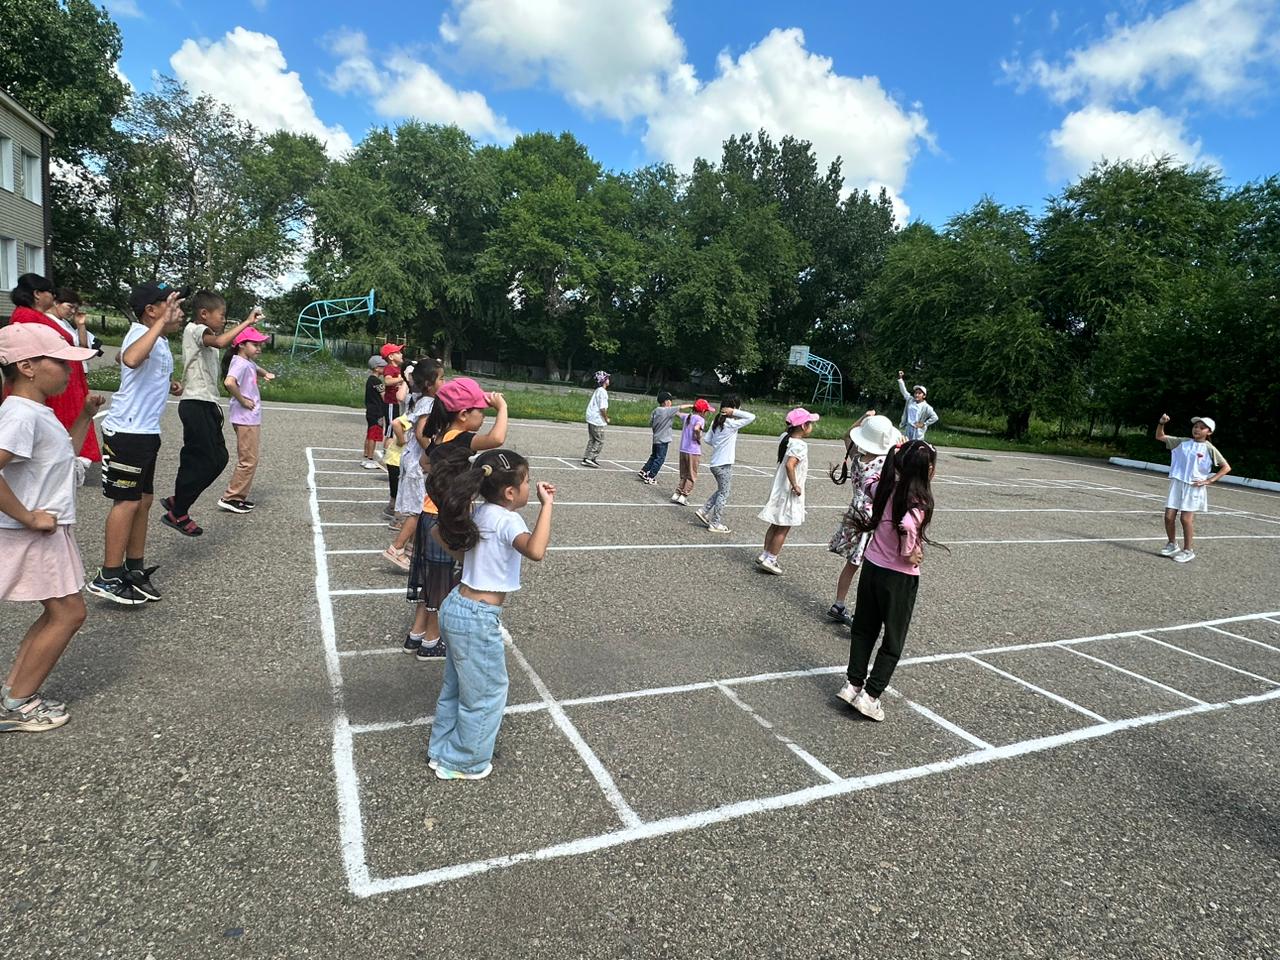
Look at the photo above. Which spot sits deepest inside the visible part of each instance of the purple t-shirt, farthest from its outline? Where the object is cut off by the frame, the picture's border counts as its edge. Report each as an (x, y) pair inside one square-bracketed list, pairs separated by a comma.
[(246, 374), (691, 422)]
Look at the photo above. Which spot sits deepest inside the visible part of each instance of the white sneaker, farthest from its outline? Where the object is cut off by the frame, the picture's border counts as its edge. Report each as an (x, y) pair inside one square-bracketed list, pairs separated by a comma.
[(1169, 550), (718, 528), (683, 500), (1184, 556), (769, 566), (369, 464), (849, 693), (869, 707), (701, 514), (675, 498), (444, 773)]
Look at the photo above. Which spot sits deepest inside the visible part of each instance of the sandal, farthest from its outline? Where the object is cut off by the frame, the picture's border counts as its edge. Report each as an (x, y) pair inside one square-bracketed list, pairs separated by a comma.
[(184, 525)]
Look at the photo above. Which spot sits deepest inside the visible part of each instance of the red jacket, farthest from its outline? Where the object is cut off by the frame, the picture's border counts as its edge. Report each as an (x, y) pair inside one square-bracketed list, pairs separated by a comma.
[(68, 404)]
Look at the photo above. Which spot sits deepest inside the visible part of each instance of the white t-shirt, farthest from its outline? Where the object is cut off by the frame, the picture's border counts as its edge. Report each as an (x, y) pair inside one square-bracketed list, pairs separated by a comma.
[(199, 365), (1192, 461), (724, 442), (599, 401), (493, 563), (42, 473), (138, 404), (74, 331)]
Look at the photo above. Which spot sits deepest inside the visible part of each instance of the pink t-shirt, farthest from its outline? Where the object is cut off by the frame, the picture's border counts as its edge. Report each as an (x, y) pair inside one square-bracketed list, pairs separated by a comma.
[(691, 422), (246, 374), (889, 550)]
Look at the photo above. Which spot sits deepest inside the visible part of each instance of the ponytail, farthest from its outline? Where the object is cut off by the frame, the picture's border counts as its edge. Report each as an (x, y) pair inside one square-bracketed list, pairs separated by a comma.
[(786, 438), (458, 479), (730, 401), (850, 451)]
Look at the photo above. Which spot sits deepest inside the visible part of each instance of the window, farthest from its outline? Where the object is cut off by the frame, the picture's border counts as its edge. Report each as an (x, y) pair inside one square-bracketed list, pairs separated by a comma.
[(6, 163), (32, 187), (34, 256), (8, 264)]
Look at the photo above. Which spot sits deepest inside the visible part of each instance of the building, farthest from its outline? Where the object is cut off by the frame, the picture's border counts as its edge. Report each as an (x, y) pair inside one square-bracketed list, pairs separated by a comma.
[(25, 227)]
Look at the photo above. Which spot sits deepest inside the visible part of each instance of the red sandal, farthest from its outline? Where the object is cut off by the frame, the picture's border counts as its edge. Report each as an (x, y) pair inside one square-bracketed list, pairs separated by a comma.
[(184, 525)]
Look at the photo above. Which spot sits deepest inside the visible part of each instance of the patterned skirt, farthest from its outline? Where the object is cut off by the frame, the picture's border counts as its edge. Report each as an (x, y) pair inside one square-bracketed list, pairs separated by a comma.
[(432, 571)]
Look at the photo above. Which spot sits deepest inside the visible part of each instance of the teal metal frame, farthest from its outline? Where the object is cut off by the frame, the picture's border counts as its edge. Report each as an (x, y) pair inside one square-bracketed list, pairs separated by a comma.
[(308, 335)]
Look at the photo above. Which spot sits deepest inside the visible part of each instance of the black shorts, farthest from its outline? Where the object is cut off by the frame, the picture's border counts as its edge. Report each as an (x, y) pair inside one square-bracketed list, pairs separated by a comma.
[(129, 464)]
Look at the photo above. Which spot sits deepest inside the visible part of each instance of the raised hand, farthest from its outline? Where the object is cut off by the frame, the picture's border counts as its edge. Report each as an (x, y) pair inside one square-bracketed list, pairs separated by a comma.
[(546, 492)]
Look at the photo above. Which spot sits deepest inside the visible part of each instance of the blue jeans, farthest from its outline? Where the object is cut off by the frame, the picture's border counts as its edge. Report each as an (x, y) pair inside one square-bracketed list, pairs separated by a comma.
[(474, 694), (657, 457)]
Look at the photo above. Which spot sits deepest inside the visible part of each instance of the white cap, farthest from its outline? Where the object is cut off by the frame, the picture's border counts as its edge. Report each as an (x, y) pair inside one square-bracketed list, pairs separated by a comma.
[(1207, 421)]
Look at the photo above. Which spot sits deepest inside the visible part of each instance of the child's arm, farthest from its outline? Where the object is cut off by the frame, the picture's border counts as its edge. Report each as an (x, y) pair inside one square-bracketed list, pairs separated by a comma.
[(604, 410), (792, 463), (902, 386), (80, 428), (233, 388), (1160, 434), (497, 434), (1223, 469), (264, 373), (140, 349), (397, 428), (37, 520), (223, 340), (534, 545), (743, 417), (931, 419)]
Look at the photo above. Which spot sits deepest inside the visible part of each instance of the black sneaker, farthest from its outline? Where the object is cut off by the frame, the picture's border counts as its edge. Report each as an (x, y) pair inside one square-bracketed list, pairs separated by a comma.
[(116, 589), (411, 644), (248, 504), (589, 463), (141, 580), (839, 614), (233, 506), (435, 651)]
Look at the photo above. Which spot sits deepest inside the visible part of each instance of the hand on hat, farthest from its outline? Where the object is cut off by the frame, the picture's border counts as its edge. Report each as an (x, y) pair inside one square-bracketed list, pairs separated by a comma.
[(496, 400)]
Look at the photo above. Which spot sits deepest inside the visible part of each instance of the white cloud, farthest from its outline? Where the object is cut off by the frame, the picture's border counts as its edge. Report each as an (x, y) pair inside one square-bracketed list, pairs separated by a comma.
[(1211, 45), (247, 71), (780, 86), (259, 5), (611, 57), (1097, 132), (404, 87), (124, 8)]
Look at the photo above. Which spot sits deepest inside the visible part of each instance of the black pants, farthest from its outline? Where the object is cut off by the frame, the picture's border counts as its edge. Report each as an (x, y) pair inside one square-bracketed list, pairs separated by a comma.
[(885, 598), (393, 476), (204, 452)]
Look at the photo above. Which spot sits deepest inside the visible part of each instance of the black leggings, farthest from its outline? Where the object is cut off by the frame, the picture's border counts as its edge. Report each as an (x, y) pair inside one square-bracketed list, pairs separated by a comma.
[(885, 598), (204, 452)]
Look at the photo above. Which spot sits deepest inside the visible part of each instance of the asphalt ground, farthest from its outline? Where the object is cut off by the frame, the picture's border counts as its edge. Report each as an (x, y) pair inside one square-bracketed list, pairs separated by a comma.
[(244, 773)]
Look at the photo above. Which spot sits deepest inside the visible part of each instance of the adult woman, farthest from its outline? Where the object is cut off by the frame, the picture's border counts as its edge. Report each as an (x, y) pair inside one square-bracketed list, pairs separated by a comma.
[(34, 302)]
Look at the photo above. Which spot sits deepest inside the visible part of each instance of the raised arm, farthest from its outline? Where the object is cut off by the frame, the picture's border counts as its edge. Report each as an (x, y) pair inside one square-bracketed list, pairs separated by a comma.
[(497, 434), (902, 386), (534, 545)]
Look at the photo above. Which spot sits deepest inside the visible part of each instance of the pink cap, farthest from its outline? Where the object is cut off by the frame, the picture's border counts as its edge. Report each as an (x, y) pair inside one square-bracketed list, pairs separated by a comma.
[(23, 341), (249, 335), (800, 416), (462, 393)]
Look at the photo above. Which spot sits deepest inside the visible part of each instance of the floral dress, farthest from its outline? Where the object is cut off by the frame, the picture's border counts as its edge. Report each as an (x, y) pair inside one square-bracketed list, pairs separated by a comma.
[(847, 541)]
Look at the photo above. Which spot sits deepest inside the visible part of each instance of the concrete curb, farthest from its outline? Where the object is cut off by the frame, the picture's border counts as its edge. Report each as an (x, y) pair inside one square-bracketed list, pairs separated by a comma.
[(1164, 468)]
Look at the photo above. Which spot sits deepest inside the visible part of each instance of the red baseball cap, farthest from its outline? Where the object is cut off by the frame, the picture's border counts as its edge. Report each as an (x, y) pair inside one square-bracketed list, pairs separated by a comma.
[(701, 406), (389, 348)]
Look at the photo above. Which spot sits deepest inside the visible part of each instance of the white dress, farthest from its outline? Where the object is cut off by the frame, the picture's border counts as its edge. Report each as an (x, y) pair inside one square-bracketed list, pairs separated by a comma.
[(784, 508), (413, 488)]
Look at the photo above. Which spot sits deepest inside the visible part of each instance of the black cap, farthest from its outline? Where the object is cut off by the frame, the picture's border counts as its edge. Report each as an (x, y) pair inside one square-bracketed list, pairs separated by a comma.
[(663, 396), (145, 294)]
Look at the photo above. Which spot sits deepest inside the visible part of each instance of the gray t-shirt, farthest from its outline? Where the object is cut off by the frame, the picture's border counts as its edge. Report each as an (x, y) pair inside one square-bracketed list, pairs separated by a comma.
[(199, 365), (660, 423)]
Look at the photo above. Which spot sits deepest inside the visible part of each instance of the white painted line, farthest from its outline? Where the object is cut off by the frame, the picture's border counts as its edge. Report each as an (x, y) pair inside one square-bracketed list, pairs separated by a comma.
[(816, 765), (941, 721), (350, 501), (366, 592), (1216, 663), (1136, 676), (351, 553), (387, 725), (365, 523), (1069, 704), (349, 488), (561, 719), (1272, 619), (345, 473), (1228, 633)]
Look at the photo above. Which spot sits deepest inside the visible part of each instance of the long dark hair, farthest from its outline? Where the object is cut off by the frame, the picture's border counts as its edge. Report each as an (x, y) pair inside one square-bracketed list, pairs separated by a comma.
[(426, 371), (904, 480), (786, 438), (850, 451), (438, 421), (457, 480), (24, 294), (729, 400)]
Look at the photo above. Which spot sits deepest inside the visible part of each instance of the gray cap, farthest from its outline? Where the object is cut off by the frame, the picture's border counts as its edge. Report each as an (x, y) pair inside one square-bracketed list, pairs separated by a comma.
[(376, 363)]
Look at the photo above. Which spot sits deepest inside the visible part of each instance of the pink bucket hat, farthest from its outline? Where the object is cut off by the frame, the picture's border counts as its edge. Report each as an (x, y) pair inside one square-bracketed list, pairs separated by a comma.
[(462, 393), (249, 335), (23, 341), (800, 416)]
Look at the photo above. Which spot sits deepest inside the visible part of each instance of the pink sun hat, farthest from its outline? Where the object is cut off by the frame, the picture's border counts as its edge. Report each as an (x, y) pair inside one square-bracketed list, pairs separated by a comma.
[(249, 335), (800, 416), (24, 341)]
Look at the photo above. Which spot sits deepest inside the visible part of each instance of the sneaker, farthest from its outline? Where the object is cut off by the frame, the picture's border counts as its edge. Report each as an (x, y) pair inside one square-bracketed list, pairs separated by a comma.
[(432, 762), (595, 461), (1184, 556), (444, 773), (433, 651), (369, 464), (769, 566), (643, 476), (849, 693), (52, 705), (839, 614), (398, 557), (590, 463), (116, 589), (388, 513), (233, 506), (718, 527), (34, 716), (141, 581), (247, 503), (651, 481), (683, 501), (675, 498), (701, 514), (869, 707), (1169, 550), (411, 643)]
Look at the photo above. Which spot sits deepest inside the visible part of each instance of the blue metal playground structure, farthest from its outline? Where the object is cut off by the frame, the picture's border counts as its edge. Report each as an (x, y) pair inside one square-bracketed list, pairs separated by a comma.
[(308, 335), (829, 390)]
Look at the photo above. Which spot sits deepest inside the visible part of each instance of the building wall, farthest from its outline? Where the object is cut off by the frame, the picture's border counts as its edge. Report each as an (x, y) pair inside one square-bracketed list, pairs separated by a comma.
[(20, 219)]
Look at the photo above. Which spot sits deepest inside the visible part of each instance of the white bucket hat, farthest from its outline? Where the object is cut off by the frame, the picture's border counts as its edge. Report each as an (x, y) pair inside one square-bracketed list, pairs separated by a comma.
[(875, 435)]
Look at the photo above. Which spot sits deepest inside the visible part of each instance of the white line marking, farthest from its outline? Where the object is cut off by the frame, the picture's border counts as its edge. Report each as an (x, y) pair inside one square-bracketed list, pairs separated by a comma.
[(618, 547), (603, 778), (1216, 663), (366, 592), (1069, 704), (1272, 619), (345, 473), (365, 523), (816, 765), (1228, 633), (941, 721), (1136, 676), (387, 725), (350, 501)]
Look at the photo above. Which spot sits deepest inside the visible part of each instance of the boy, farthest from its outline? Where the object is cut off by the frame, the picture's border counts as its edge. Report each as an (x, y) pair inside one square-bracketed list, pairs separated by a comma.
[(374, 412), (597, 417), (131, 442), (660, 423), (1190, 471), (392, 377), (204, 451)]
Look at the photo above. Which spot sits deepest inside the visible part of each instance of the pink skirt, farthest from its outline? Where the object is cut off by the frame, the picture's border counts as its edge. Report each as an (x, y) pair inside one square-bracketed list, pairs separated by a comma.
[(40, 566)]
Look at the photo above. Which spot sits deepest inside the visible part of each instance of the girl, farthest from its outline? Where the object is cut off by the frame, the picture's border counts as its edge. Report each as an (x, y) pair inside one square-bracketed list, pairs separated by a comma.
[(424, 378), (869, 440), (38, 480), (597, 420), (917, 415), (492, 539), (723, 439), (690, 450), (393, 451), (450, 429), (785, 508), (240, 376), (902, 507)]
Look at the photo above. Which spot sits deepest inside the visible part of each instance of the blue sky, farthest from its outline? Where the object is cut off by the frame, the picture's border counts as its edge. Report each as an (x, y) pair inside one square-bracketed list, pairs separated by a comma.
[(940, 102)]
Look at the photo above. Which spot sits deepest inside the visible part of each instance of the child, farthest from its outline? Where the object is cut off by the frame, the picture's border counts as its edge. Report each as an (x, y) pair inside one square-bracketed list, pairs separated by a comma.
[(660, 423), (723, 439), (393, 453), (492, 540), (917, 415), (597, 417), (424, 376), (869, 440), (131, 444), (785, 508), (690, 450), (451, 429), (1190, 471), (240, 377), (374, 412), (38, 480), (902, 506), (204, 451), (392, 379)]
